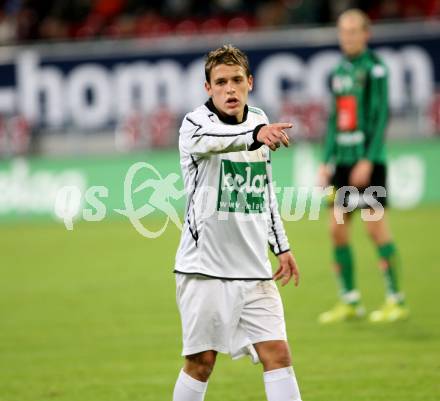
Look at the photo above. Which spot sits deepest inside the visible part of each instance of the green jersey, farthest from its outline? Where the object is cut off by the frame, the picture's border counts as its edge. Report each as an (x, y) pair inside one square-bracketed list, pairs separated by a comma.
[(359, 111)]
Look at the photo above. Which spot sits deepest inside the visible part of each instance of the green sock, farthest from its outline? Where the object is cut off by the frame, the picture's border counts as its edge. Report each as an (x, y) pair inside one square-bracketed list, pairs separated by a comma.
[(389, 264), (344, 267)]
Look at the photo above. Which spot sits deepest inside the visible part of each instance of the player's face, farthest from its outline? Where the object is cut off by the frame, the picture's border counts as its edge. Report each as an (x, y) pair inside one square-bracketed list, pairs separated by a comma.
[(229, 87), (353, 36)]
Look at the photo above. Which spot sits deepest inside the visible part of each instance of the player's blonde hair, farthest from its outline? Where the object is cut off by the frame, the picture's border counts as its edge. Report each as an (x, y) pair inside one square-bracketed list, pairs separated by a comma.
[(356, 12), (227, 54)]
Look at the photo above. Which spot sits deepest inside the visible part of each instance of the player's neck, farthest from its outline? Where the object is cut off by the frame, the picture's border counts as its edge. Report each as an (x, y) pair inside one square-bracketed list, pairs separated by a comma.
[(226, 118), (356, 56)]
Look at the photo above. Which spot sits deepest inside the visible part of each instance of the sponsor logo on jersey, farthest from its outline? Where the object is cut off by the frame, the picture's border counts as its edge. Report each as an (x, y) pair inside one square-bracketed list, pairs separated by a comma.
[(242, 186), (342, 83), (346, 107)]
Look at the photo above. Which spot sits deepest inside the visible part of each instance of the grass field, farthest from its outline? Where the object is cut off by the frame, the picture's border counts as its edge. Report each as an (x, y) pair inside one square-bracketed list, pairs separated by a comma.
[(90, 315)]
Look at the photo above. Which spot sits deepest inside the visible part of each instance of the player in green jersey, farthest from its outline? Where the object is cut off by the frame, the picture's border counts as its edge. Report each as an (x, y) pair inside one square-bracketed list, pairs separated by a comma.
[(354, 145)]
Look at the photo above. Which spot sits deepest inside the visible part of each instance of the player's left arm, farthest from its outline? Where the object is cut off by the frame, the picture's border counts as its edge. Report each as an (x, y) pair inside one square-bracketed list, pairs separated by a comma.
[(377, 104), (278, 241), (378, 111)]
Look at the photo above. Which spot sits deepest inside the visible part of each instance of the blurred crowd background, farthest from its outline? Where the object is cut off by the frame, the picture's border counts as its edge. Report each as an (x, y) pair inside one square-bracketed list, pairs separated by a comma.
[(30, 20)]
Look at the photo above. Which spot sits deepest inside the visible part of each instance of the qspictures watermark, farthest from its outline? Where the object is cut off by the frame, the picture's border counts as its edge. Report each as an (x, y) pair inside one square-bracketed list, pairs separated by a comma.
[(70, 198), (241, 191)]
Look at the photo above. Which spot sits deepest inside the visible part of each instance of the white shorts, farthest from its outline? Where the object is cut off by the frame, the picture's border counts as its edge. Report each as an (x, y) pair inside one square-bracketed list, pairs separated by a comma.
[(228, 316)]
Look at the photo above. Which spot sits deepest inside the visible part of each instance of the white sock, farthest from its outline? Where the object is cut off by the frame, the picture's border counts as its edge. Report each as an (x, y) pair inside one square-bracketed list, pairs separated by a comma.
[(189, 389), (281, 385)]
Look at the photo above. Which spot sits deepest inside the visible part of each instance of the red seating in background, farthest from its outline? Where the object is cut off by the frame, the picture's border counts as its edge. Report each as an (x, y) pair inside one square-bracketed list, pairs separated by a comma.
[(212, 25), (186, 27)]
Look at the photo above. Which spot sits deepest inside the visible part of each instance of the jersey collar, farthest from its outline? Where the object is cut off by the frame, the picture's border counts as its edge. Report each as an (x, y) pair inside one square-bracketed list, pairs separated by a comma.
[(226, 119), (358, 58)]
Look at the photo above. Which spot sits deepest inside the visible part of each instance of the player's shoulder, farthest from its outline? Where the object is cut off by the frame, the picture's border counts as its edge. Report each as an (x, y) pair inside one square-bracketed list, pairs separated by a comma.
[(339, 66), (258, 113), (196, 117), (256, 110), (199, 112), (335, 72), (377, 67)]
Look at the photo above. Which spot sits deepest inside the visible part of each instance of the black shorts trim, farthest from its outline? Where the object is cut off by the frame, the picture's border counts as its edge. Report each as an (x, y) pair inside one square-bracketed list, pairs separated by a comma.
[(223, 278), (341, 178)]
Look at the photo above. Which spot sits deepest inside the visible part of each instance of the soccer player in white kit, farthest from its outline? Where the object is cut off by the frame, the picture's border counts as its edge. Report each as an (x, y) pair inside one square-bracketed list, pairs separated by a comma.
[(225, 288)]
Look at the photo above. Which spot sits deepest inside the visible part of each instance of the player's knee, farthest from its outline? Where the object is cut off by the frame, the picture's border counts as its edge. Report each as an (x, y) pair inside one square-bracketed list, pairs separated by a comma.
[(279, 361), (275, 356), (200, 366)]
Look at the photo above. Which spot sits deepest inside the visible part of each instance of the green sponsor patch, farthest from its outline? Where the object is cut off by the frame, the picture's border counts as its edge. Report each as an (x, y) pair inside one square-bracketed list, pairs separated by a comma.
[(241, 187)]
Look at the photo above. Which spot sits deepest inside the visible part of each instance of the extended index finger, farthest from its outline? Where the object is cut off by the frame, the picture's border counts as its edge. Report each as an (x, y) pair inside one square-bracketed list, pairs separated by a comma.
[(283, 125)]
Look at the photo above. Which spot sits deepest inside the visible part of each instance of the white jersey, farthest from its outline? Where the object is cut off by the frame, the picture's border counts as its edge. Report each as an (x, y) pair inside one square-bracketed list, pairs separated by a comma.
[(232, 212)]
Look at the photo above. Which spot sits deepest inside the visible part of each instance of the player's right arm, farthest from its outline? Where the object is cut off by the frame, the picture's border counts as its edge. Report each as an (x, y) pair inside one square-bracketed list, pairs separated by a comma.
[(324, 171), (330, 137), (378, 106), (200, 136)]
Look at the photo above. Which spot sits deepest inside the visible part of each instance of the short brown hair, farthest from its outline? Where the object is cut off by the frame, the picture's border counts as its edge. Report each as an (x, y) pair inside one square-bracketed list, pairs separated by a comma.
[(356, 12), (229, 55)]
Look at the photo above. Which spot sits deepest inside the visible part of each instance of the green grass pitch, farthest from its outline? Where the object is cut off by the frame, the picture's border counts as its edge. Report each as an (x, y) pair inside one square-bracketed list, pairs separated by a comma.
[(90, 315)]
